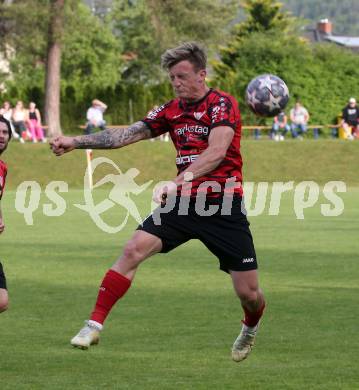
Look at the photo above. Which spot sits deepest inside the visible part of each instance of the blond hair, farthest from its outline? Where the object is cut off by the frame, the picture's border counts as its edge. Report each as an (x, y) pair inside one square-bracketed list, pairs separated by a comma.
[(190, 51)]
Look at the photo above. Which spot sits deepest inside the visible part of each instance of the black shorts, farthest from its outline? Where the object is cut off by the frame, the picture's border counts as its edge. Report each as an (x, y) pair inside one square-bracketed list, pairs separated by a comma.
[(227, 236), (2, 278)]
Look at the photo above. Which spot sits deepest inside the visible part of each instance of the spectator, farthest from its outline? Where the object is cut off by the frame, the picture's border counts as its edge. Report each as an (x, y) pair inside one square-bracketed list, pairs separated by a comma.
[(299, 117), (350, 122), (33, 121), (95, 116), (18, 121), (280, 122), (6, 112)]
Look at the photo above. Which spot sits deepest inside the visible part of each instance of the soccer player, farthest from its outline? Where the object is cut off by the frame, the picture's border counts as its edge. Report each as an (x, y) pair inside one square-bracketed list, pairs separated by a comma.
[(205, 127), (5, 135)]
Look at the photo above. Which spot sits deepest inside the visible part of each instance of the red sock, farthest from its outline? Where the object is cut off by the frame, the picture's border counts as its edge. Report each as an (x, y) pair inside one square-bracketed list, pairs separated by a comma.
[(252, 319), (113, 287)]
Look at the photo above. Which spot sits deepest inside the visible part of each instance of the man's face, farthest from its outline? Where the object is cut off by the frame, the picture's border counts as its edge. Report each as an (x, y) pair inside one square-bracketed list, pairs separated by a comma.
[(4, 137), (186, 81)]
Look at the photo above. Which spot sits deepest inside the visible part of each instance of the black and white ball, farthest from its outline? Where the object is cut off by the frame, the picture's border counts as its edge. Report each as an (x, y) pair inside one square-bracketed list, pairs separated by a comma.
[(267, 95)]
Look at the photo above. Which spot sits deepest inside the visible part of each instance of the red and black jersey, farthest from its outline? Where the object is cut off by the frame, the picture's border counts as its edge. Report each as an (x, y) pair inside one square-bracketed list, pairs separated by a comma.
[(3, 173), (190, 125)]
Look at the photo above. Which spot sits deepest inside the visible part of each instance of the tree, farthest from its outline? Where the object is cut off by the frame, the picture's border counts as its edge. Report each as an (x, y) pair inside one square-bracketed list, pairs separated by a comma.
[(147, 28), (90, 59), (90, 55), (322, 76), (263, 16), (18, 31), (53, 67)]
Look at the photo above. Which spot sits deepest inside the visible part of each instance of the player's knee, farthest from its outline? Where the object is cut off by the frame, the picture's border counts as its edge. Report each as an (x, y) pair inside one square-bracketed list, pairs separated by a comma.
[(4, 303), (132, 252), (248, 294)]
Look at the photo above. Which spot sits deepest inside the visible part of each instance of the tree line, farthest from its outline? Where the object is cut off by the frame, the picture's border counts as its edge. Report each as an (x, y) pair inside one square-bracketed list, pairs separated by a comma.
[(116, 58)]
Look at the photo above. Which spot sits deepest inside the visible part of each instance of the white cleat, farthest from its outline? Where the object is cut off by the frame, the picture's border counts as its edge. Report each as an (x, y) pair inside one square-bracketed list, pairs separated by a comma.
[(88, 335), (243, 345)]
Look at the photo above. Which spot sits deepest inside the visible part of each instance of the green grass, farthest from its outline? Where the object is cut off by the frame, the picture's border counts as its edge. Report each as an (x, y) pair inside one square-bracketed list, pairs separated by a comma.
[(175, 327), (319, 160)]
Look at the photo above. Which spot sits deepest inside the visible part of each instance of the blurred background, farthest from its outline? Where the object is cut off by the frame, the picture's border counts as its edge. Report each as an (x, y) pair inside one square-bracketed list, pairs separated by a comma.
[(65, 53)]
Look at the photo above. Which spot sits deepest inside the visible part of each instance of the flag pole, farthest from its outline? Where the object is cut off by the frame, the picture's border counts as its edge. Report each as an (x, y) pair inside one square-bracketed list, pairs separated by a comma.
[(89, 168)]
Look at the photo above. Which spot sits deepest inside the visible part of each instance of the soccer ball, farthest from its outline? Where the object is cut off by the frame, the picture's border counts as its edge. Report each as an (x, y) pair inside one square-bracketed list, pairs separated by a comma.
[(267, 95)]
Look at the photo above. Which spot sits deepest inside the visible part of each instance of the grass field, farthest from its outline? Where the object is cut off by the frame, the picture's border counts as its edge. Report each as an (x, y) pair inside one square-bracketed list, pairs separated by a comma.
[(175, 327), (319, 160)]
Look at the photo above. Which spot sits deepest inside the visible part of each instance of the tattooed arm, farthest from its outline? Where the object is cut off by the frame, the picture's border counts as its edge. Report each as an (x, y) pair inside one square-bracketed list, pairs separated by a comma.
[(107, 139)]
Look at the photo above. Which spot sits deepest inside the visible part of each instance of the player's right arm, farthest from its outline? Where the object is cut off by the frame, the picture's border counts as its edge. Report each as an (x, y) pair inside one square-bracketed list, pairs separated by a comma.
[(106, 139)]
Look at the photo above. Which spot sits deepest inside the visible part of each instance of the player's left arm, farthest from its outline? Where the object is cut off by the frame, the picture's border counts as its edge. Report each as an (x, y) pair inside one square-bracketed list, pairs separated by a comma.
[(219, 141)]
